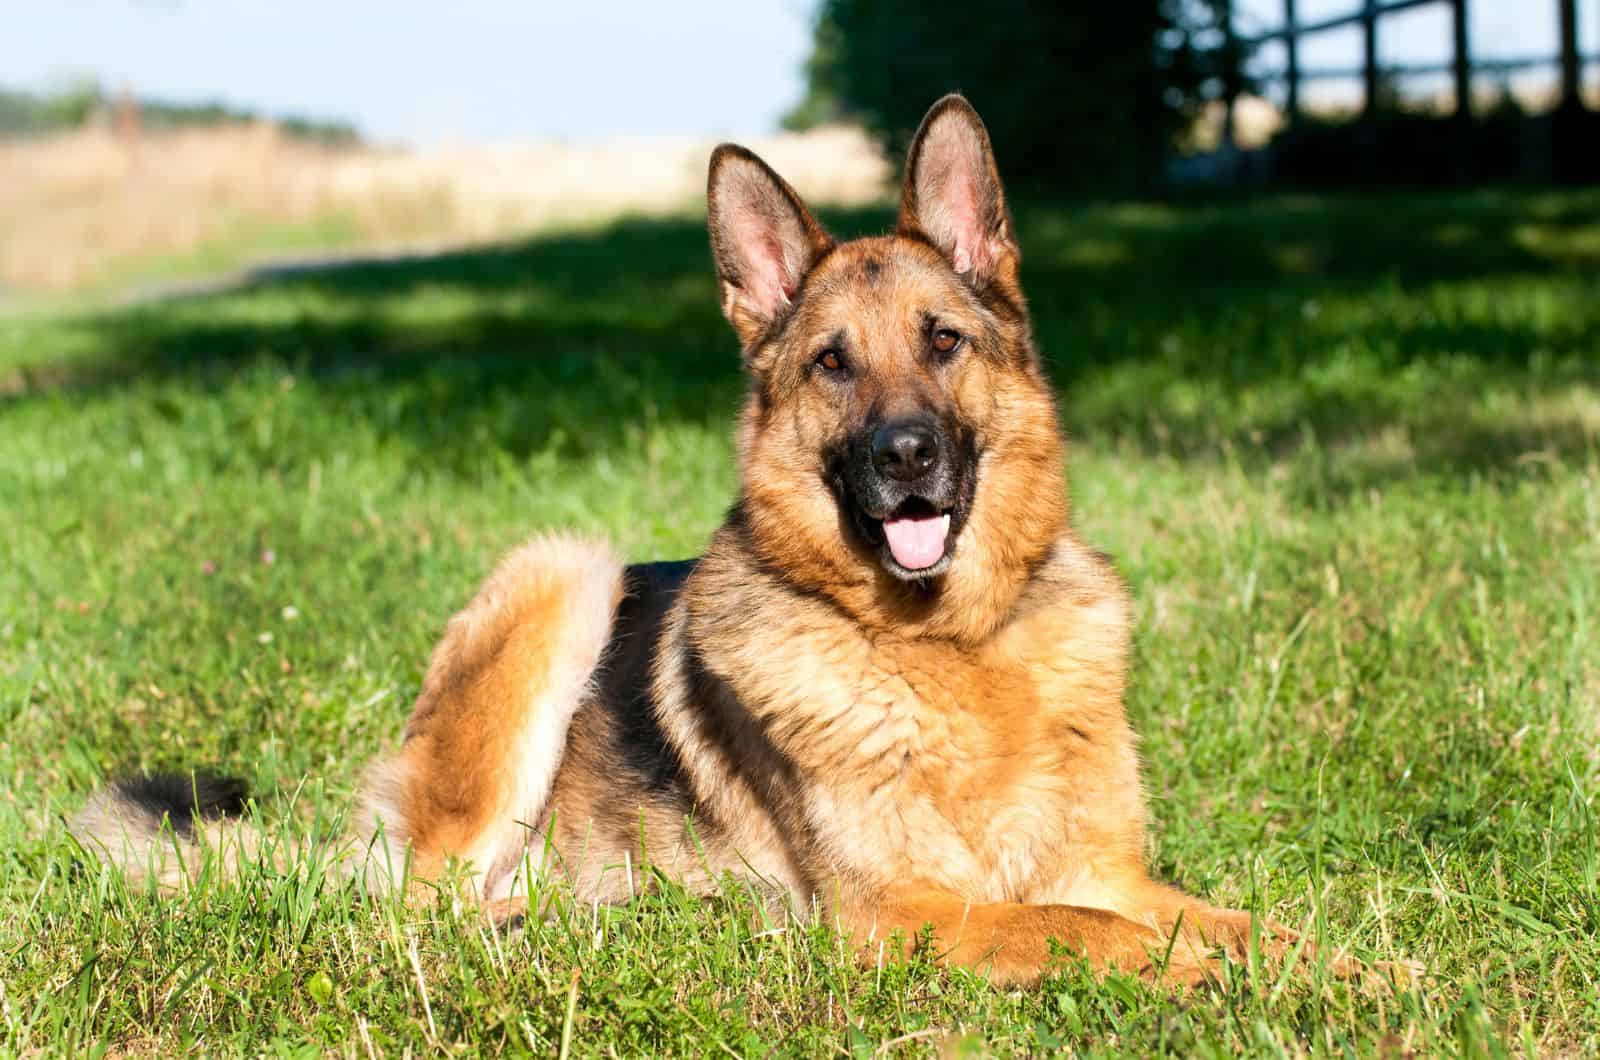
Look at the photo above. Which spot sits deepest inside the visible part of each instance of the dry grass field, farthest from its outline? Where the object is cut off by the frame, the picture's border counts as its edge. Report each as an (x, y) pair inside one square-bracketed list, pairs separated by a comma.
[(92, 210)]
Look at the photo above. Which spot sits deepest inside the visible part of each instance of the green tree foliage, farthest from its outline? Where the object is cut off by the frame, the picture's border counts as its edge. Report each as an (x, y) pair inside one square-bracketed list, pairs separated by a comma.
[(72, 107), (68, 108), (1076, 95)]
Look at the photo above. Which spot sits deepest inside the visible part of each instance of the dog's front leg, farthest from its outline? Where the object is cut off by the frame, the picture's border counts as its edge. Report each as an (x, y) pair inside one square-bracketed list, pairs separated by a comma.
[(1235, 930), (1011, 941)]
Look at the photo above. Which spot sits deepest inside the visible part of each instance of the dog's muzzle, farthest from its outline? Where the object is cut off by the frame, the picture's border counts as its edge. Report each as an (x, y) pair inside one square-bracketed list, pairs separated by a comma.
[(908, 484)]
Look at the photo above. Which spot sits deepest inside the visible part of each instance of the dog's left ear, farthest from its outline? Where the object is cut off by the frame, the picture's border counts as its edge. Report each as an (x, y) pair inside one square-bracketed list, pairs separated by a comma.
[(763, 238), (953, 196)]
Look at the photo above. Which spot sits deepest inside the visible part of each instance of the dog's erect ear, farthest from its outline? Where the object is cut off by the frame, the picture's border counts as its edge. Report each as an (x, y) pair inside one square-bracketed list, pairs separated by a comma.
[(953, 195), (763, 237)]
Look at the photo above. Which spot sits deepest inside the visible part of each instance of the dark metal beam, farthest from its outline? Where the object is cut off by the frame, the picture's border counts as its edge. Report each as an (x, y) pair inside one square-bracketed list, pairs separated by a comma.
[(1571, 75), (1230, 72), (1497, 66), (1461, 62), (1369, 59), (1385, 7), (1292, 45)]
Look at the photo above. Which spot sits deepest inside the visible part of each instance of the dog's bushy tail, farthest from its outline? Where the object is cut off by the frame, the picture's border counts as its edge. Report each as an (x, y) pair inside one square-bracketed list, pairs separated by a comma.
[(153, 827)]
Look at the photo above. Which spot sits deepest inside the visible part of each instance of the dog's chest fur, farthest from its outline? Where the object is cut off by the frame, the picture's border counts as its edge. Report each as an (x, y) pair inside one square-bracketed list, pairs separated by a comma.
[(986, 767)]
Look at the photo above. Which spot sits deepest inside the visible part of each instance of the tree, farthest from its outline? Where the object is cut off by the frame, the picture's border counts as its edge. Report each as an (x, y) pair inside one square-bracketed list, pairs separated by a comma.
[(1078, 94)]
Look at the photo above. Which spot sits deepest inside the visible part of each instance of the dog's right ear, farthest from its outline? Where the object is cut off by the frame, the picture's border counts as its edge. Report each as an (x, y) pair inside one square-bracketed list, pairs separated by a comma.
[(763, 238), (953, 196)]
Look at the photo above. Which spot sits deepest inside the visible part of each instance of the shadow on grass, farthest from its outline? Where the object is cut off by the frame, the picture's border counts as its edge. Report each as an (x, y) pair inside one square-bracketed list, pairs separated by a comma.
[(1180, 329)]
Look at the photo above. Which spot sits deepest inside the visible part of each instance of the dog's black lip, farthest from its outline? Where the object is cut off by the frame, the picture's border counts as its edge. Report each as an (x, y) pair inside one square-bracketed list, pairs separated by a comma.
[(906, 574), (920, 507)]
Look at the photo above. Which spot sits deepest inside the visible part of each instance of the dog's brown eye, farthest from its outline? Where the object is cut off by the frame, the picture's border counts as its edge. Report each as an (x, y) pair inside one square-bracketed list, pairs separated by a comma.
[(946, 341), (829, 360)]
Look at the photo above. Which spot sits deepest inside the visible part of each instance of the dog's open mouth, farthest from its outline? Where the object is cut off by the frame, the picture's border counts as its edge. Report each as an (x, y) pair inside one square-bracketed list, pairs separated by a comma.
[(917, 534), (910, 528)]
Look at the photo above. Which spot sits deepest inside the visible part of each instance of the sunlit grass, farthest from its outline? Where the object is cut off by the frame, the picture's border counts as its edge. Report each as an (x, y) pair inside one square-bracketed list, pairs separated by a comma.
[(1359, 505)]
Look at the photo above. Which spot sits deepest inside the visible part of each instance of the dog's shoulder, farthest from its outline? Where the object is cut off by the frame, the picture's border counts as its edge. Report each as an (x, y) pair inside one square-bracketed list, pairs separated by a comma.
[(1072, 578), (734, 595), (1075, 612)]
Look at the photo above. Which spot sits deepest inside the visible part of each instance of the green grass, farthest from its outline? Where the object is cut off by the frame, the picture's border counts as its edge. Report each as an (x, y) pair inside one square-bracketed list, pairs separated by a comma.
[(1346, 451)]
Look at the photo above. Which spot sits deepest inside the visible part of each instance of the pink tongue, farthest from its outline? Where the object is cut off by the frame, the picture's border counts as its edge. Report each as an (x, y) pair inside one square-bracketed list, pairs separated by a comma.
[(917, 543)]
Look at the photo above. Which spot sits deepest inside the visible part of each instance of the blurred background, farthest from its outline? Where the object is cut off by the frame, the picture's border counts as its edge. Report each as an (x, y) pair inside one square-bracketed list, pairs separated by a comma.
[(149, 142), (310, 310)]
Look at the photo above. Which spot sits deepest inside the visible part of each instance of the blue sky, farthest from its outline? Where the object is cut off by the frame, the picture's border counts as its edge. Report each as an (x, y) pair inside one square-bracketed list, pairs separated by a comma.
[(485, 70), (423, 72)]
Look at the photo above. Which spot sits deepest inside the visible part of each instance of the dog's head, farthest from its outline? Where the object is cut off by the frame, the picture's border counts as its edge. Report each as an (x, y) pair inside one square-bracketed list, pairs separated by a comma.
[(899, 449)]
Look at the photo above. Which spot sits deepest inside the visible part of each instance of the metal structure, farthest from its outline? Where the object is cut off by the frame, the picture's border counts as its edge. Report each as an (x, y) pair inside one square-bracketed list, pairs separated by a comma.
[(1368, 16)]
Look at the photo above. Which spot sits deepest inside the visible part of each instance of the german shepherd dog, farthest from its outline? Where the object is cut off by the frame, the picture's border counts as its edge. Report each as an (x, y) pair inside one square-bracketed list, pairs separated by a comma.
[(892, 686)]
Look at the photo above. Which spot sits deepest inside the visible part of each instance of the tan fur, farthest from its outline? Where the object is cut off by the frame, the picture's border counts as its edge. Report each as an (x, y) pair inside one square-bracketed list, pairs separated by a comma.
[(120, 831), (896, 757), (952, 754), (150, 847), (487, 734)]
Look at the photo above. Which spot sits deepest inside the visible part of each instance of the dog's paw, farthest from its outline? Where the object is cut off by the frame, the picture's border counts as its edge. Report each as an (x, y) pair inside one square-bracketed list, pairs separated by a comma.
[(1280, 945), (1189, 971)]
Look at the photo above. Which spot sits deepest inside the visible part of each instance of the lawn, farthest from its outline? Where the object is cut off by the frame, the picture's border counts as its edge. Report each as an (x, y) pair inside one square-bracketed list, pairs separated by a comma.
[(1347, 452)]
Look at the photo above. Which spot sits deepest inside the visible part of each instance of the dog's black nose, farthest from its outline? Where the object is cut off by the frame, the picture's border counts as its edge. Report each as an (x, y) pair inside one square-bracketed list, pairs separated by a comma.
[(904, 451)]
